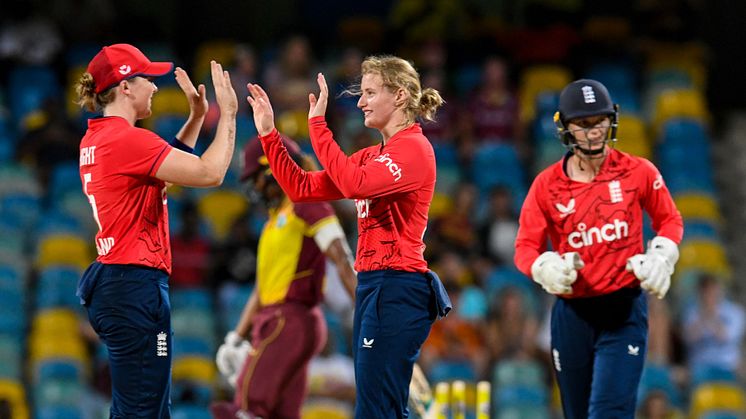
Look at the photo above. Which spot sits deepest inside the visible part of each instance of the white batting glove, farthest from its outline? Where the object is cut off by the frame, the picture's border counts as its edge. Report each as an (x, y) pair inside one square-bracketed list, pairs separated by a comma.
[(556, 273), (655, 267), (231, 355)]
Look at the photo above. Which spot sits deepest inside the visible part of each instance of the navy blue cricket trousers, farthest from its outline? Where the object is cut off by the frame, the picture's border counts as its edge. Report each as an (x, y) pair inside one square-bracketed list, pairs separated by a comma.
[(598, 350), (129, 308), (394, 311)]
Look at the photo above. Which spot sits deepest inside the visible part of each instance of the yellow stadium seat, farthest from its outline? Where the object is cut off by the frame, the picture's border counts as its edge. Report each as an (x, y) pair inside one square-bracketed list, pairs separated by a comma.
[(322, 410), (703, 256), (194, 368), (13, 392), (220, 209), (167, 101), (220, 50), (73, 75), (55, 321), (679, 103), (633, 137), (717, 396), (442, 204), (294, 124), (64, 249), (538, 79), (48, 347), (698, 206)]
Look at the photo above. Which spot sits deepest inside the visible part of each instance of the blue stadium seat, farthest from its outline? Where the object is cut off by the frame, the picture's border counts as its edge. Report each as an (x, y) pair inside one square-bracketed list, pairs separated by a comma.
[(58, 369), (711, 373), (498, 164), (21, 209), (65, 178), (658, 377), (59, 412), (517, 395), (28, 88), (188, 346), (56, 287), (167, 125), (190, 412), (504, 277), (449, 370), (192, 298)]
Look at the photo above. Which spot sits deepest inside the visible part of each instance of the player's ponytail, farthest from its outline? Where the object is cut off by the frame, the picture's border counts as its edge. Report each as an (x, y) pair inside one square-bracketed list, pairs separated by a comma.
[(430, 101), (88, 99)]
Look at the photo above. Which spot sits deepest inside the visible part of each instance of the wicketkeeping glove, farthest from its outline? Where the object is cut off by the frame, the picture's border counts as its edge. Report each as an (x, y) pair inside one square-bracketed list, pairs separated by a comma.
[(231, 355), (556, 273), (655, 267)]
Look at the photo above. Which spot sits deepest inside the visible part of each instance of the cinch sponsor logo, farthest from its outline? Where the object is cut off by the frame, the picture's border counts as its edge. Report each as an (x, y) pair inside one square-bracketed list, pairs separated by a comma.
[(584, 236), (393, 167)]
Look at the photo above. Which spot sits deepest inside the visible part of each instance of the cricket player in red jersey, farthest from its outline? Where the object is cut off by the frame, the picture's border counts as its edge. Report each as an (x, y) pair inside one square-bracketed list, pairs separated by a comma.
[(397, 297), (590, 207), (124, 171), (282, 316)]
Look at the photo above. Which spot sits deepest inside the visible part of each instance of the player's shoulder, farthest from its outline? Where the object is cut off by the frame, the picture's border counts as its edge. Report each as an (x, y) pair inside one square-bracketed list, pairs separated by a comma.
[(312, 212), (626, 161)]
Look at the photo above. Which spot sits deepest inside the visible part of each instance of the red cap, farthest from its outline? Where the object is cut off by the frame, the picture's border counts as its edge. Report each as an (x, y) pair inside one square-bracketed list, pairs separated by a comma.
[(254, 159), (120, 62)]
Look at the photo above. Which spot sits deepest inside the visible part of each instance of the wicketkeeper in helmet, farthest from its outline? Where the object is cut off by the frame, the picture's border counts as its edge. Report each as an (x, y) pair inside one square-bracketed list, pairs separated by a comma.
[(282, 326), (590, 206)]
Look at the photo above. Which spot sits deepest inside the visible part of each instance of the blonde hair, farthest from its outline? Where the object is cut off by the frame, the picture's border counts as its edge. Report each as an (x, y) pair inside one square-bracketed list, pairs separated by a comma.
[(398, 73), (87, 96)]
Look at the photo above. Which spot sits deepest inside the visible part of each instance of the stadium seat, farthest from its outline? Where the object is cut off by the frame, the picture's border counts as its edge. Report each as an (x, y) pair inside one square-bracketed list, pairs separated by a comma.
[(192, 298), (59, 412), (633, 137), (488, 156), (520, 412), (190, 412), (11, 357), (59, 393), (220, 209), (703, 256), (59, 369), (518, 373), (21, 209), (698, 207), (56, 287), (449, 370), (18, 179), (169, 100), (520, 396), (658, 377), (717, 396), (14, 393), (220, 50), (710, 374), (55, 322), (678, 104), (43, 348), (441, 204), (194, 323), (537, 79), (167, 126), (64, 249), (321, 410), (194, 368)]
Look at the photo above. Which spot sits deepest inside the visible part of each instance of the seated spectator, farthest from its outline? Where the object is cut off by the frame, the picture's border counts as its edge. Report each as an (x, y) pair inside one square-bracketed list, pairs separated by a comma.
[(713, 328), (511, 331), (655, 405), (493, 108), (500, 227), (191, 251)]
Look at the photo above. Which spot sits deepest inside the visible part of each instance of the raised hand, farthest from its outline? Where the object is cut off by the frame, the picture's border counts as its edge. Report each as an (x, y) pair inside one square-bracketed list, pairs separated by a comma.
[(196, 96), (264, 116), (224, 93), (317, 107)]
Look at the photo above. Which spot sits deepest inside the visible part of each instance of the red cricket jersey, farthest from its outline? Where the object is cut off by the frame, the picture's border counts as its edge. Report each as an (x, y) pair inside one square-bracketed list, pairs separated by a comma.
[(392, 186), (601, 220), (118, 163)]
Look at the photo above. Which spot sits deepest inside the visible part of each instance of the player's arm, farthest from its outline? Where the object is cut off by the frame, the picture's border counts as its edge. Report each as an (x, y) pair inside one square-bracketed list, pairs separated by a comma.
[(655, 267), (555, 272), (236, 346), (331, 239), (198, 107), (401, 169), (186, 169), (298, 184)]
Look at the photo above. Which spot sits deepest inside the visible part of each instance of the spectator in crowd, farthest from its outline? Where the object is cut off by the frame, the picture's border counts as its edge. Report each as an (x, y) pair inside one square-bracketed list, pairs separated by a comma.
[(191, 251), (500, 226), (713, 328)]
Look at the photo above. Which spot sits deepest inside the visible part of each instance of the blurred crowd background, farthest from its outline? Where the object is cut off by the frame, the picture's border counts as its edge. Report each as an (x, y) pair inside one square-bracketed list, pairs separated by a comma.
[(675, 68)]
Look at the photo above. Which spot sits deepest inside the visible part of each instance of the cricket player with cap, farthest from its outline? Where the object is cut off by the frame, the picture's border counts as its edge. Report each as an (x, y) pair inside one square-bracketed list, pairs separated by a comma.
[(590, 205), (124, 171)]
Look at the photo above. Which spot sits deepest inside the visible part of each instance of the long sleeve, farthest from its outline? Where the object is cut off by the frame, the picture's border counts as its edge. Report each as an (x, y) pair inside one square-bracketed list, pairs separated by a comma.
[(532, 235), (658, 203), (298, 184), (402, 167)]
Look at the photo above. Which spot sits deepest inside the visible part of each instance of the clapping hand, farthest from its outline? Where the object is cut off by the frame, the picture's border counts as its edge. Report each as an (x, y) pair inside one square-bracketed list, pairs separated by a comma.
[(196, 96), (264, 116), (317, 107)]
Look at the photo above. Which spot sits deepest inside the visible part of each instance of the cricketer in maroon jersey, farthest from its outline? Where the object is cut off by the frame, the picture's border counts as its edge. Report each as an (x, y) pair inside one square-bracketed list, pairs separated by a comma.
[(601, 220)]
